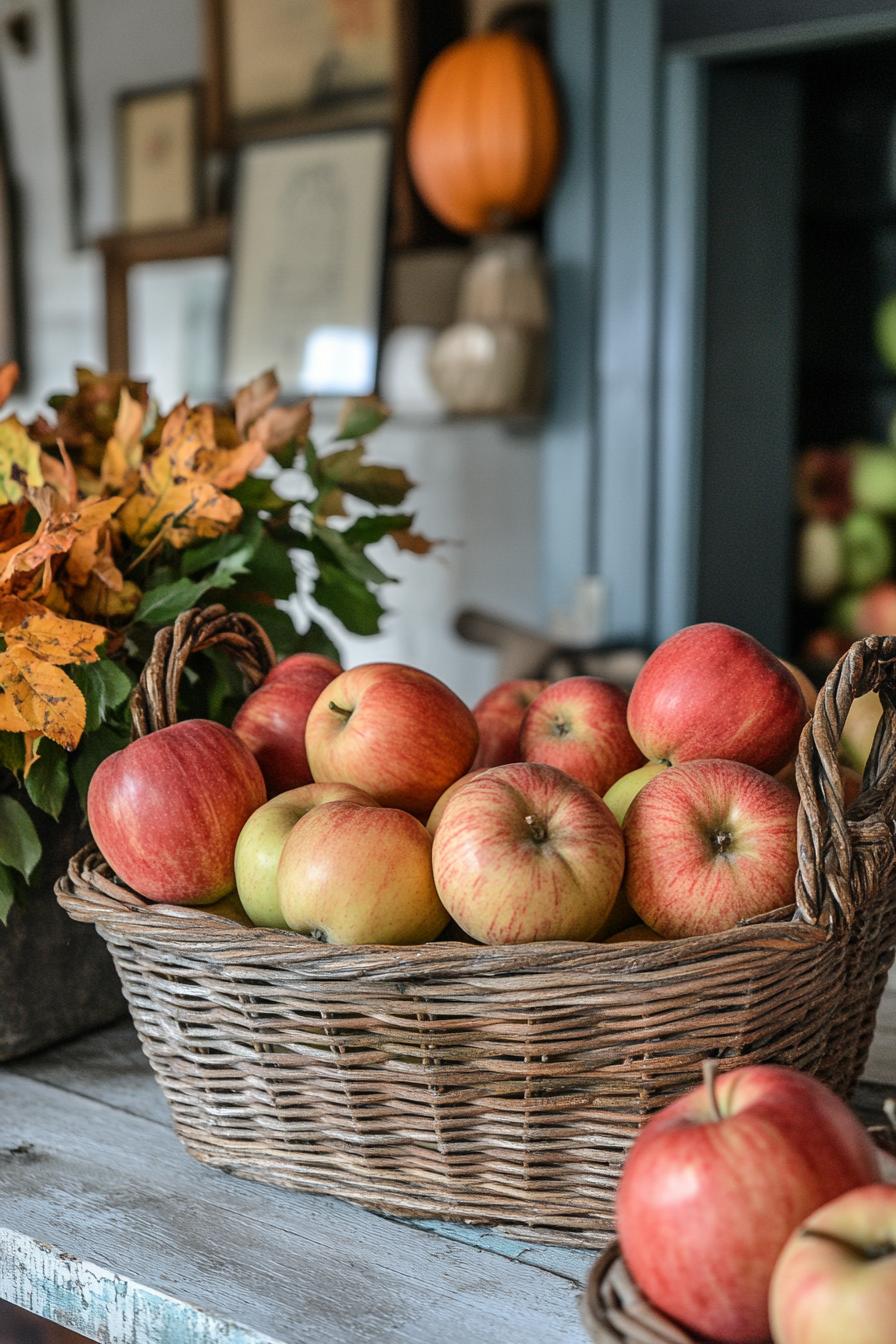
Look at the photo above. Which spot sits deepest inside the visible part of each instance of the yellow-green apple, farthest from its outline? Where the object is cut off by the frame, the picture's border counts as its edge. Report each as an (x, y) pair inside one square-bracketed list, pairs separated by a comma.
[(435, 815), (873, 481), (819, 559), (620, 796), (713, 691), (351, 873), (808, 688), (859, 730), (636, 933), (499, 717), (867, 549), (396, 732), (166, 810), (272, 721), (261, 842), (229, 907), (524, 852), (300, 663), (717, 1181), (578, 725), (835, 1280), (709, 843)]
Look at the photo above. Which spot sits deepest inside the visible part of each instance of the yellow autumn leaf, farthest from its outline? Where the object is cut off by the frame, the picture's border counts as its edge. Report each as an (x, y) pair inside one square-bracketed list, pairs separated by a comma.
[(55, 639), (58, 531), (233, 465), (11, 720), (19, 461), (45, 697), (124, 451)]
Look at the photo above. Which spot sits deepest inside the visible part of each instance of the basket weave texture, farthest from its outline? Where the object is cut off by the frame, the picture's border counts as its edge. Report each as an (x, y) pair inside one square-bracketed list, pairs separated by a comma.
[(495, 1084), (615, 1311)]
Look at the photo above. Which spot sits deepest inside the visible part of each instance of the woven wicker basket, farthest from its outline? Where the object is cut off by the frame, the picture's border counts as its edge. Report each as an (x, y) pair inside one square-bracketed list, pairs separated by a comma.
[(494, 1084), (615, 1311)]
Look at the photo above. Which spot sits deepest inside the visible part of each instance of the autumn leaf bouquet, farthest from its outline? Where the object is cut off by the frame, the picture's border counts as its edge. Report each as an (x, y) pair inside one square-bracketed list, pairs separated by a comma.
[(115, 517)]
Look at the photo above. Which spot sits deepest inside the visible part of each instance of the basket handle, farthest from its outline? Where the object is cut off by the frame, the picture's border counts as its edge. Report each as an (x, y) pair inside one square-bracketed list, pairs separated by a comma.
[(824, 891), (154, 701)]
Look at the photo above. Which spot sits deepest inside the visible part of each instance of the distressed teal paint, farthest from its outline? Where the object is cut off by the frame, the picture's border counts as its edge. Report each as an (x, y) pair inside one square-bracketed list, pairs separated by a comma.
[(102, 1305)]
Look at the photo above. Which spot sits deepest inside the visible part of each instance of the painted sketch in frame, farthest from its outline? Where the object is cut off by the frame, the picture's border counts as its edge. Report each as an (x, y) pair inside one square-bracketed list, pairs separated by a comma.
[(158, 145), (308, 259), (276, 57)]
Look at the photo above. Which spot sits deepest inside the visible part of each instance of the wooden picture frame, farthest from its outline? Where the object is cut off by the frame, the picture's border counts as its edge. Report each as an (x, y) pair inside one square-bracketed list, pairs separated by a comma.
[(12, 288), (159, 156), (312, 311), (419, 30)]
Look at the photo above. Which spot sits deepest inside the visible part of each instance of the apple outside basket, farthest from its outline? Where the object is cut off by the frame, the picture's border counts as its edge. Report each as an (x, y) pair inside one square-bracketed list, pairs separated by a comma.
[(495, 1084)]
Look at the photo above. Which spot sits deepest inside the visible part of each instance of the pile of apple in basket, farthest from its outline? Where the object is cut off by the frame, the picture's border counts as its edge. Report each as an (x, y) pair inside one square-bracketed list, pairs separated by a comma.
[(395, 810)]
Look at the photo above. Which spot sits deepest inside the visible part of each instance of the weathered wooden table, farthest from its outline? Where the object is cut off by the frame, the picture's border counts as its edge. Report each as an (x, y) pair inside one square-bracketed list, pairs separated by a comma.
[(107, 1227)]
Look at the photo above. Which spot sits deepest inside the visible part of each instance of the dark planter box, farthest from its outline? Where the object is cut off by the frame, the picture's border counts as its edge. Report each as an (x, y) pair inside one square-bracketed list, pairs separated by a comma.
[(57, 979)]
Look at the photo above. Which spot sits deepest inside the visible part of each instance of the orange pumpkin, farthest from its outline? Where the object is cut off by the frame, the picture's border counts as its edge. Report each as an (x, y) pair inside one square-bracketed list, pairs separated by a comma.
[(484, 136)]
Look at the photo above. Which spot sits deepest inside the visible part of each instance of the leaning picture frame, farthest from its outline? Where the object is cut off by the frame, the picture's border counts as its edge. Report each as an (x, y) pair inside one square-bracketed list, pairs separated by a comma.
[(308, 255), (159, 136)]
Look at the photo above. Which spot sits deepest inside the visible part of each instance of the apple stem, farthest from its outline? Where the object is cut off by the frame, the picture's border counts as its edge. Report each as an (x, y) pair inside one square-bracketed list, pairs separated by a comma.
[(877, 1251), (537, 829), (340, 710), (710, 1070)]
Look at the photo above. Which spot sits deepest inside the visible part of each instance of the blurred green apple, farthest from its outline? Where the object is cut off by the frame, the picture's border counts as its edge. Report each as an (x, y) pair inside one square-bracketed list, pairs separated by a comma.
[(867, 549), (619, 796), (874, 478)]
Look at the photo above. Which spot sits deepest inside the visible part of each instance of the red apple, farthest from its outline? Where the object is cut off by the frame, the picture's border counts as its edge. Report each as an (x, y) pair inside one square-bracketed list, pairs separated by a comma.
[(579, 725), (708, 844), (636, 933), (524, 853), (166, 811), (849, 778), (435, 816), (272, 721), (712, 691), (355, 874), (808, 688), (499, 717), (261, 842), (300, 663), (823, 483), (716, 1183), (396, 732), (876, 610), (835, 1280)]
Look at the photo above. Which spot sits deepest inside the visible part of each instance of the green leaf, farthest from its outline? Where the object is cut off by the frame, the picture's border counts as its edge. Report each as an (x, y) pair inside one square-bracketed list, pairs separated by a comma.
[(360, 416), (105, 685), (316, 640), (213, 552), (7, 893), (48, 779), (278, 626), (160, 605), (19, 843), (376, 485), (271, 569), (371, 528), (12, 752), (354, 562), (254, 493), (348, 599), (94, 748)]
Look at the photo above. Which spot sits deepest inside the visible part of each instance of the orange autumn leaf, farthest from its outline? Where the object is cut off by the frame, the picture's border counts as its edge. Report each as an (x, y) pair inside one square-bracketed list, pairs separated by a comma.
[(58, 531), (31, 752), (11, 720), (413, 542), (55, 639), (254, 399), (181, 485), (47, 700), (124, 450)]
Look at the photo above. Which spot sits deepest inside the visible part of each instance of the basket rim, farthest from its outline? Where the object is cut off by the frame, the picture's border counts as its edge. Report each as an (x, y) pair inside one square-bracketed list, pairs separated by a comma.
[(195, 931)]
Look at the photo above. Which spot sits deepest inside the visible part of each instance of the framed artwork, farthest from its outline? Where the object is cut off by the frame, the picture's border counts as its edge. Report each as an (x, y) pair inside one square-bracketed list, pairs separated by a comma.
[(307, 262), (12, 342), (158, 156)]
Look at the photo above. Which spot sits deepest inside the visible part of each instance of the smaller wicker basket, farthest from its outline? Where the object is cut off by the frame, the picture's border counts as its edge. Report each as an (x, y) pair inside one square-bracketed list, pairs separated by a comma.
[(615, 1311)]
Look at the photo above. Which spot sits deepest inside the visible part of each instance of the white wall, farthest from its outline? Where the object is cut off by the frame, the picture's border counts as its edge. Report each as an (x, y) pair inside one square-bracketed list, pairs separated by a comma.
[(478, 485)]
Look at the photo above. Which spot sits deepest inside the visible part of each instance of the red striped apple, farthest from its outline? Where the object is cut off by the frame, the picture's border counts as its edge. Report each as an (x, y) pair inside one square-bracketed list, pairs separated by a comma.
[(579, 725), (261, 842), (713, 691), (166, 811), (707, 844), (272, 721), (354, 874), (499, 717), (435, 815), (300, 663), (524, 853), (835, 1280), (717, 1181), (396, 732)]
